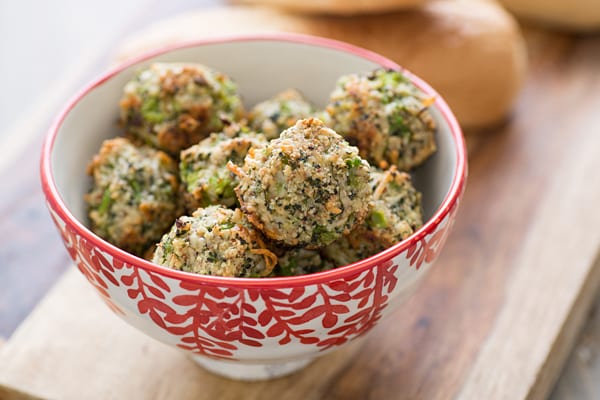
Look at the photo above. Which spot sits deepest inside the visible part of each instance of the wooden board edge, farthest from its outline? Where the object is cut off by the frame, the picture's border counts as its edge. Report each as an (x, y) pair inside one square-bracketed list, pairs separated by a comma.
[(488, 378), (7, 393), (538, 323), (11, 393), (567, 337)]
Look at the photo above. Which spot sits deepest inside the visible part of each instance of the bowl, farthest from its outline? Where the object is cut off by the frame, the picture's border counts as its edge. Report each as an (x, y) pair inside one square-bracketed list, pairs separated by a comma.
[(248, 328)]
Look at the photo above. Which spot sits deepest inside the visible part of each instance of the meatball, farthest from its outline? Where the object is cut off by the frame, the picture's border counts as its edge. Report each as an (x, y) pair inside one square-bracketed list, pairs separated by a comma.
[(396, 203), (273, 116), (295, 262), (134, 198), (215, 241), (386, 116), (173, 106), (205, 178), (306, 188), (394, 215)]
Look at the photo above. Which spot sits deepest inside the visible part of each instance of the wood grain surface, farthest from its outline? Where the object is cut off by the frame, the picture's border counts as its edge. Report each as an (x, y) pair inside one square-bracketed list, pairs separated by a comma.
[(495, 277), (581, 374)]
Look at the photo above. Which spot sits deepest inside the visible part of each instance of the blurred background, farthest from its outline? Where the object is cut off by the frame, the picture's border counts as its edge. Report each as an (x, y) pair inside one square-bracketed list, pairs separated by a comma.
[(40, 41)]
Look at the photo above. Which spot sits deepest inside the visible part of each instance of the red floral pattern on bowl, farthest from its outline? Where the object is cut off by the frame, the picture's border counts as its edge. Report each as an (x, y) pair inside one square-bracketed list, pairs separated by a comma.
[(248, 328)]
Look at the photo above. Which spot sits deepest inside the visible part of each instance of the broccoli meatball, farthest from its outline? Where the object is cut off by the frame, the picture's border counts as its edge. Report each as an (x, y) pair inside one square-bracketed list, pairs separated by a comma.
[(273, 116), (174, 106), (394, 215), (215, 241), (396, 203), (206, 180), (295, 262), (134, 198), (386, 116), (306, 188)]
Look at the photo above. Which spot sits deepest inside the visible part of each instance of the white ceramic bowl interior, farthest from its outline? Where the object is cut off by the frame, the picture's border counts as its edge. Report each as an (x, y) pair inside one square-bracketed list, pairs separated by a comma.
[(261, 69)]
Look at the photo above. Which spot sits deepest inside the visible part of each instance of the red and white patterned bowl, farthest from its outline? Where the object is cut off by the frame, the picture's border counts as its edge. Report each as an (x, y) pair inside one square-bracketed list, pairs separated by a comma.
[(248, 328)]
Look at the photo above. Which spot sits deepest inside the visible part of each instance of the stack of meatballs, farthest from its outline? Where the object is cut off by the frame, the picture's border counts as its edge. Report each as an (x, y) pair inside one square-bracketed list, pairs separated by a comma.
[(200, 185)]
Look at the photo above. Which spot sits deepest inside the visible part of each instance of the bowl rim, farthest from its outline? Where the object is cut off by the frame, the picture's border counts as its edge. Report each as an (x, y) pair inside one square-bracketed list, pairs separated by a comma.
[(57, 205)]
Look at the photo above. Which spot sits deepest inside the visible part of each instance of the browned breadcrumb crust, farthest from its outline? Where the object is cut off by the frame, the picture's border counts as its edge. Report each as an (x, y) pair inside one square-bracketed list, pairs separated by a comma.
[(173, 106), (386, 116), (306, 188), (134, 198), (394, 215), (203, 168), (216, 241), (273, 116)]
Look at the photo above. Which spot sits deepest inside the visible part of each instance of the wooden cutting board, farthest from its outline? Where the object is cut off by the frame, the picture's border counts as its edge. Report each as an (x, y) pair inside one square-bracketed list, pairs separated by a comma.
[(495, 319)]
